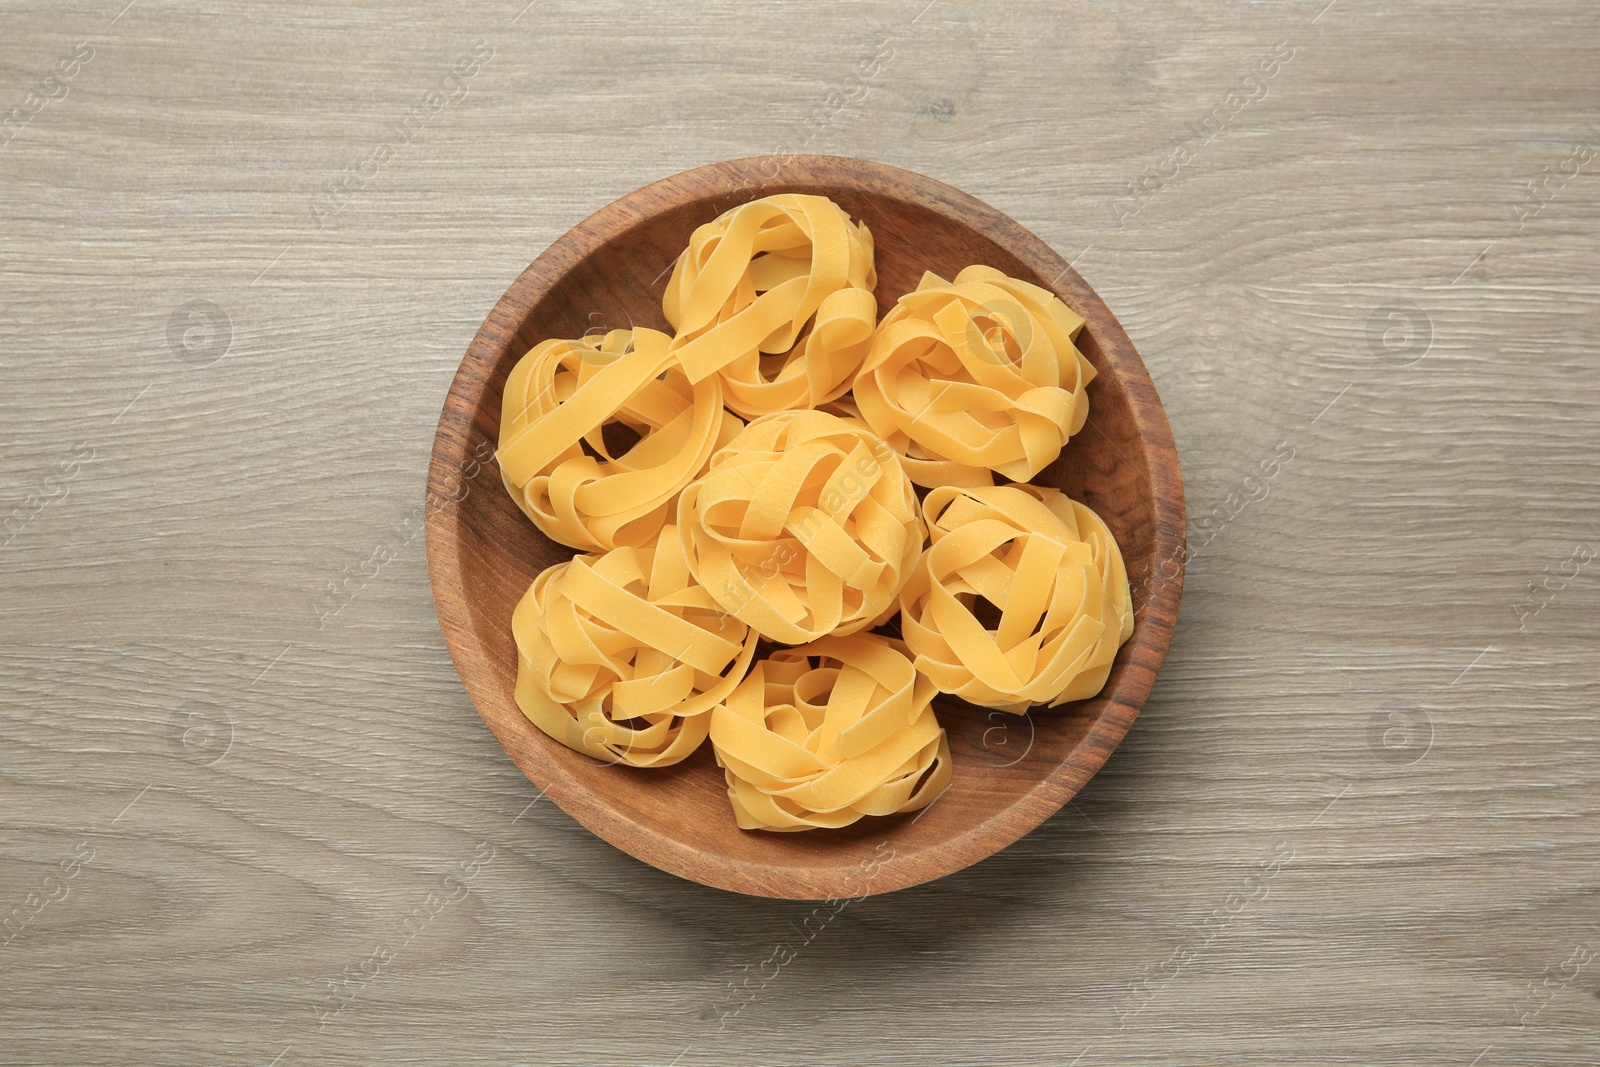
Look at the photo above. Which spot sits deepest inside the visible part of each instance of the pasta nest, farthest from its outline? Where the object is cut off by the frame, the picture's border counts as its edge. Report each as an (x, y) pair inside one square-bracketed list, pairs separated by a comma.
[(560, 401), (977, 375), (805, 525), (751, 282), (622, 655), (1050, 568), (821, 735)]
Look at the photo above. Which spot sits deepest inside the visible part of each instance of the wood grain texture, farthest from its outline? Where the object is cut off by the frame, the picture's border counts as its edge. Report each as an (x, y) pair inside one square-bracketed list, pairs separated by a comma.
[(1010, 776), (1357, 820)]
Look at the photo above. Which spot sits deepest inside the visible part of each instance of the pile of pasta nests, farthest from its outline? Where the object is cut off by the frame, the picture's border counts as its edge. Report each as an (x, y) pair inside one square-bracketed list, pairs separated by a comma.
[(766, 492)]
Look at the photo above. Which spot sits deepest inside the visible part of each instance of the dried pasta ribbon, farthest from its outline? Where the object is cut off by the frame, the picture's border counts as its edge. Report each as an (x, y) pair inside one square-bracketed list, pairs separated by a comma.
[(748, 285), (805, 525), (553, 455), (976, 375), (1050, 566), (622, 655), (821, 735)]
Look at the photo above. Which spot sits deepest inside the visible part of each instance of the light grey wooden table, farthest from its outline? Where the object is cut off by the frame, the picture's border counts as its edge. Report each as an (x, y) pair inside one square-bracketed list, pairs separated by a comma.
[(243, 250)]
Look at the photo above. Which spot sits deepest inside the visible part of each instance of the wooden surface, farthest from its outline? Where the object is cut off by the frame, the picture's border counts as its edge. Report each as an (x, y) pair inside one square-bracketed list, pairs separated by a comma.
[(483, 552), (250, 815)]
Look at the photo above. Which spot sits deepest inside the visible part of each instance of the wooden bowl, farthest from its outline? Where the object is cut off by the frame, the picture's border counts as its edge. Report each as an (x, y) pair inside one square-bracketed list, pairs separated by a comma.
[(1010, 774)]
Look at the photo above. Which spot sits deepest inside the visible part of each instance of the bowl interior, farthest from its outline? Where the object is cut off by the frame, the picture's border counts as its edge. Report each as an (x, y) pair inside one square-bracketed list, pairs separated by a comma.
[(1010, 773)]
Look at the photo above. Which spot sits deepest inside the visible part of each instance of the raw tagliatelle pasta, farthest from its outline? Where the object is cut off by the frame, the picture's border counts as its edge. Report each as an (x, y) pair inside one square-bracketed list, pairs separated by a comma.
[(1051, 569), (559, 401), (743, 293), (823, 734), (804, 525), (622, 655), (801, 527), (975, 375)]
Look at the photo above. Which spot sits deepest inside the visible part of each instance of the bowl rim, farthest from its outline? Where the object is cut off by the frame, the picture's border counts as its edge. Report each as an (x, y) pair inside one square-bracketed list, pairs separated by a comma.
[(1155, 617)]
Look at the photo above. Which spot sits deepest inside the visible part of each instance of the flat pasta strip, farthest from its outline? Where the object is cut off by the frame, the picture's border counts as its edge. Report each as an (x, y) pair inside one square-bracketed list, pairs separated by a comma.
[(804, 525), (973, 376), (774, 297), (622, 655), (824, 734), (1051, 569), (560, 399)]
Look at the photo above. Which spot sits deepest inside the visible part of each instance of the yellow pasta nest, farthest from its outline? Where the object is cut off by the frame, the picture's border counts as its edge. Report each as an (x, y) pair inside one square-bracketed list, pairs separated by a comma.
[(622, 655), (975, 375), (1051, 569), (820, 735), (560, 399), (748, 285), (805, 525)]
